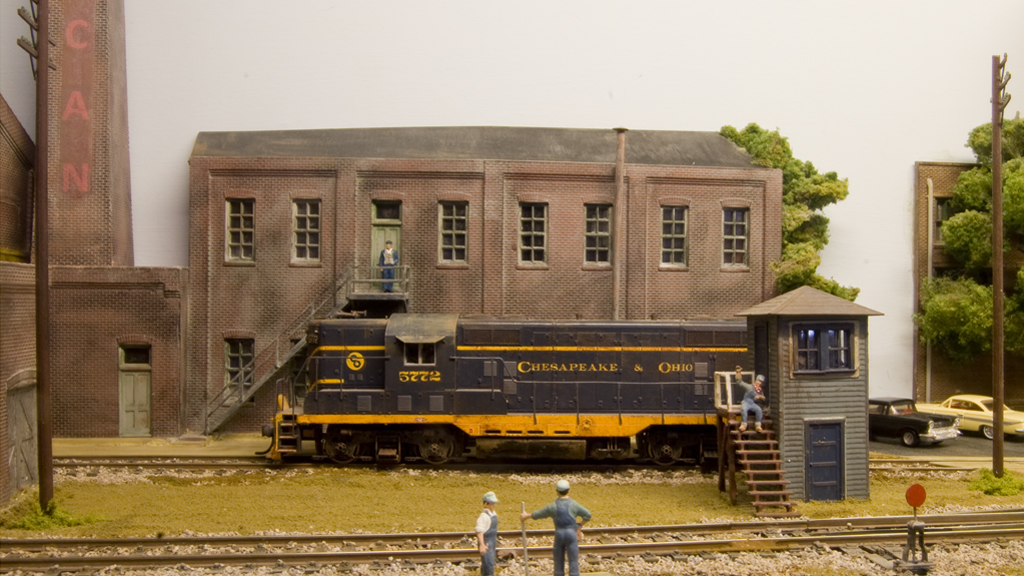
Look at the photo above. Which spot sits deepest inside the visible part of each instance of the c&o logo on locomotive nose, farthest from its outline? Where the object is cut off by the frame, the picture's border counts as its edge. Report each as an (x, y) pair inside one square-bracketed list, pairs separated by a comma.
[(355, 361)]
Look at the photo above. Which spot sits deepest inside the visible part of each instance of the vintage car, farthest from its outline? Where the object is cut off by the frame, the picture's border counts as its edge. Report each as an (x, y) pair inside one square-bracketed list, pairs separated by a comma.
[(975, 413), (900, 418)]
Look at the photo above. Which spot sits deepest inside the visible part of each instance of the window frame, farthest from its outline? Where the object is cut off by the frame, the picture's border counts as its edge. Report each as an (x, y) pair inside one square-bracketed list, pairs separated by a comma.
[(453, 233), (420, 347), (246, 348), (243, 235), (729, 235), (596, 217), (307, 230), (827, 355), (943, 211), (533, 234), (673, 236)]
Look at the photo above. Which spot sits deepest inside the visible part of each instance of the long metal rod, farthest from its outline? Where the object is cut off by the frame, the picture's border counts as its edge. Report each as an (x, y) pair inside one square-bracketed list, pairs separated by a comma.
[(44, 432)]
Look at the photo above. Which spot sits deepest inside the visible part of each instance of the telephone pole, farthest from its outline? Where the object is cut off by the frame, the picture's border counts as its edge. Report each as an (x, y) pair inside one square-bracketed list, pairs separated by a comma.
[(39, 51), (999, 101)]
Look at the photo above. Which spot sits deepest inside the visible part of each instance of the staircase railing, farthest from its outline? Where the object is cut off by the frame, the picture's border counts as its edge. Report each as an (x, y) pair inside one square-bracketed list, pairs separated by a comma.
[(275, 355)]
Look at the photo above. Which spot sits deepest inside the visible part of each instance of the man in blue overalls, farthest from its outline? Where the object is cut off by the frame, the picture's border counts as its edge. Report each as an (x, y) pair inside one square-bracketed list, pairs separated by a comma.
[(568, 532), (487, 535)]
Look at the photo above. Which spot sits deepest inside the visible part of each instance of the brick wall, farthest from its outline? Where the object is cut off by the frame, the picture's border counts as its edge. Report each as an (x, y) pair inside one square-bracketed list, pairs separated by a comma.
[(94, 311), (90, 204), (16, 156), (259, 300)]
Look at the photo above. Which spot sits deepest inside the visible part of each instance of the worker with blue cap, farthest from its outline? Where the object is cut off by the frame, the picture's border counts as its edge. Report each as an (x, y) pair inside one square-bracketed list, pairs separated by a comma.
[(568, 532), (487, 535)]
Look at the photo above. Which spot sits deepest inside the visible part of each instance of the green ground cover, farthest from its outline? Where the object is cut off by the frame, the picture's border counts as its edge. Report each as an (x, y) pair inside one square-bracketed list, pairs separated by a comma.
[(418, 500)]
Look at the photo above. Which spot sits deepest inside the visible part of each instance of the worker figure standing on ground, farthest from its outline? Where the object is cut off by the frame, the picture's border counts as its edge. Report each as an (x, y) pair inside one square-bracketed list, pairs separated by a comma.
[(568, 532), (487, 535)]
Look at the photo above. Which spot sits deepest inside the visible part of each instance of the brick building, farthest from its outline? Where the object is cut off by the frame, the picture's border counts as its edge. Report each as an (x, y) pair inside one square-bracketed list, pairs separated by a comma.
[(486, 220), (935, 376), (17, 308)]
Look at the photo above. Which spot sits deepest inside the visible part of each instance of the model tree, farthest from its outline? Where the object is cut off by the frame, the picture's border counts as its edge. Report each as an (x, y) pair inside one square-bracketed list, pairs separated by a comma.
[(805, 192), (956, 310)]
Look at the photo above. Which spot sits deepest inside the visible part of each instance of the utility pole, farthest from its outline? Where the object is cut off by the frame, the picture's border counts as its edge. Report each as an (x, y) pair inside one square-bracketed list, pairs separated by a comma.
[(39, 51), (999, 101)]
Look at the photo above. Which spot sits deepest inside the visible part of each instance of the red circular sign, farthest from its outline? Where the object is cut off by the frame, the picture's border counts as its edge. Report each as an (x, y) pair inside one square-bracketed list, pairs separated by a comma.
[(915, 495)]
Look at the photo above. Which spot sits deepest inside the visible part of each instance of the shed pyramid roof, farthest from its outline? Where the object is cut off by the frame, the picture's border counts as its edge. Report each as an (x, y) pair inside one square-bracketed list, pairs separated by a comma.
[(807, 301)]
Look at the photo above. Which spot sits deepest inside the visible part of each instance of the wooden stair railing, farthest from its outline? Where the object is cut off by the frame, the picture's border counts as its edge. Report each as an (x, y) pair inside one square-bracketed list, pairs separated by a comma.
[(757, 455)]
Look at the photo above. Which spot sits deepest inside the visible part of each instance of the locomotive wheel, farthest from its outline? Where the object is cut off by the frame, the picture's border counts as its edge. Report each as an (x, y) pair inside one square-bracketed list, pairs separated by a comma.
[(663, 449), (341, 449), (437, 446)]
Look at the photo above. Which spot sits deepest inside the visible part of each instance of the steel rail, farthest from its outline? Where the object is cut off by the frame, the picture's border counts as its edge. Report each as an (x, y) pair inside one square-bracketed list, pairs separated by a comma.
[(776, 544), (933, 521)]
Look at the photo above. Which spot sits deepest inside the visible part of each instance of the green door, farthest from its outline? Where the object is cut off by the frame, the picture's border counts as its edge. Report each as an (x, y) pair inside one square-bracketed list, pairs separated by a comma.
[(382, 234), (135, 403)]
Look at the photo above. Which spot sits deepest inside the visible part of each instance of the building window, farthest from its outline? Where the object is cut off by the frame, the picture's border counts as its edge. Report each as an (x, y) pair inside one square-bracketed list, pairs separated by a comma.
[(673, 236), (533, 233), (943, 210), (419, 354), (735, 231), (306, 230), (238, 359), (598, 234), (387, 212), (135, 355), (241, 230), (452, 231), (823, 347)]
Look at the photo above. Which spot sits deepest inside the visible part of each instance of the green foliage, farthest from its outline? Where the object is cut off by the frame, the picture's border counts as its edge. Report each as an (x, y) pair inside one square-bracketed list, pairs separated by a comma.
[(30, 516), (1008, 485), (1013, 323), (948, 309), (956, 317), (973, 191), (980, 141), (968, 238), (1013, 198), (805, 192), (797, 267)]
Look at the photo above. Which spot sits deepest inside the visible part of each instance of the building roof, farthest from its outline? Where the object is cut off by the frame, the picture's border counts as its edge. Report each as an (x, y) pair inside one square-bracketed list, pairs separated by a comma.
[(663, 147), (807, 301)]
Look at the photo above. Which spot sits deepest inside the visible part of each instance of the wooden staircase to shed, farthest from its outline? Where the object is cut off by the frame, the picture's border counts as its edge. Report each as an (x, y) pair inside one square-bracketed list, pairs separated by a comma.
[(757, 456)]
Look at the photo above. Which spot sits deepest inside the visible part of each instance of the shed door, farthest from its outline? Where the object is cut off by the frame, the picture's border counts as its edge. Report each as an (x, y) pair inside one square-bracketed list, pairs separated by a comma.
[(21, 429), (135, 405), (824, 460)]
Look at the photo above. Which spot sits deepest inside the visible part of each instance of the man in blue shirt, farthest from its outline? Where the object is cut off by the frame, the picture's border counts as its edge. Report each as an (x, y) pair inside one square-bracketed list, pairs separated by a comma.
[(750, 403), (568, 532)]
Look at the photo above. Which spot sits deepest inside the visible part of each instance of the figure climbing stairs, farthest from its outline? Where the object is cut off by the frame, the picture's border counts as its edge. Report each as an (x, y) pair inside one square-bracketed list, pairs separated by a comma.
[(758, 457)]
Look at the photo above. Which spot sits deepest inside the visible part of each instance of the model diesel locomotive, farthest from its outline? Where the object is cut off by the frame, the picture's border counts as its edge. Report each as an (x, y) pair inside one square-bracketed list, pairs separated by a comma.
[(440, 386)]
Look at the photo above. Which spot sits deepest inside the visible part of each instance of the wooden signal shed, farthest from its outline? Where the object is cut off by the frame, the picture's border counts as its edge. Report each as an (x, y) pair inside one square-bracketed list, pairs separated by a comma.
[(813, 349)]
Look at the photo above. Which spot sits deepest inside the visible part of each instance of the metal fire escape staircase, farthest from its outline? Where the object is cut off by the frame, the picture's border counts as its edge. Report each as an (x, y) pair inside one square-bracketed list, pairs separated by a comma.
[(362, 297)]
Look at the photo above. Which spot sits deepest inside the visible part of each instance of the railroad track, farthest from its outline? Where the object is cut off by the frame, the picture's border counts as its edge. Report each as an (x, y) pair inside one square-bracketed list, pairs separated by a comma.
[(845, 534), (207, 462), (173, 462)]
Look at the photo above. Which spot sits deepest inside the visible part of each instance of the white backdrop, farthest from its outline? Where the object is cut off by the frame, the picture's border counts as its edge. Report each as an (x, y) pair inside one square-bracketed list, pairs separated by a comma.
[(862, 88)]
